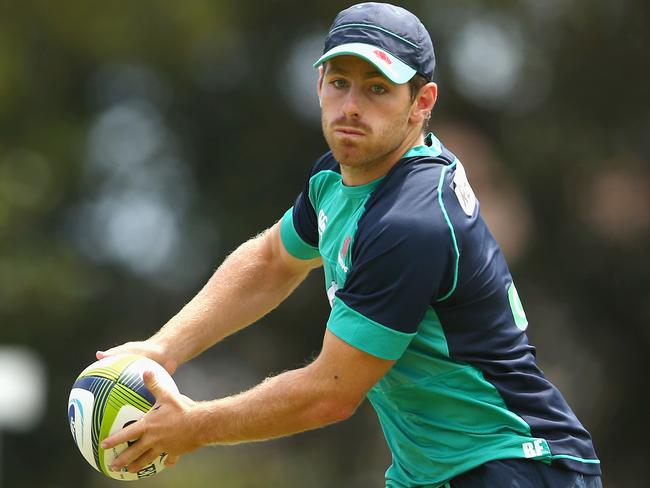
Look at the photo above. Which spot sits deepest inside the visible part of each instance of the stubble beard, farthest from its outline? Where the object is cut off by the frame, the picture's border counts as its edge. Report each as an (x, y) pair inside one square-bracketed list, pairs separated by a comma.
[(372, 151)]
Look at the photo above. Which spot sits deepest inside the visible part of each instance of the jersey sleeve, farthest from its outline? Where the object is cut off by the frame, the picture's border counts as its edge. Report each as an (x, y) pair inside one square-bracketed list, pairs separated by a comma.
[(299, 225), (294, 235), (401, 264)]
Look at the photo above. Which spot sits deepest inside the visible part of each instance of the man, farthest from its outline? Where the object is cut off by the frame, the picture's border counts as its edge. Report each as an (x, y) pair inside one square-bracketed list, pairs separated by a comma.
[(426, 321)]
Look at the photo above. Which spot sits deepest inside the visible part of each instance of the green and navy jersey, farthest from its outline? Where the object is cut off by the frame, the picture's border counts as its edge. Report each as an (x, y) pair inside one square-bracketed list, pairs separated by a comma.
[(414, 275)]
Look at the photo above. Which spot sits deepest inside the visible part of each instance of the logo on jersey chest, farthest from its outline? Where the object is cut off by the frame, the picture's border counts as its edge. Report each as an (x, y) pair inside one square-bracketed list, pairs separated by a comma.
[(322, 223), (343, 253)]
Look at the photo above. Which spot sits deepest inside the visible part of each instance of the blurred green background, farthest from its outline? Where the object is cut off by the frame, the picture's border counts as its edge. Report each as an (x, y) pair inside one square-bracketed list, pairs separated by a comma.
[(142, 141)]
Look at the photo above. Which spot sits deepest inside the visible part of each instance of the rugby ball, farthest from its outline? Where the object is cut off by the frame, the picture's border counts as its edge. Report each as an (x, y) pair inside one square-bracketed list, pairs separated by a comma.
[(107, 396)]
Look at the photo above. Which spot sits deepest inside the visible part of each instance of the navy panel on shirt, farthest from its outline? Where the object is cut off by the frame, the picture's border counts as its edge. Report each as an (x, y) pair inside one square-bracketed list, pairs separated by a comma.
[(389, 282), (480, 329)]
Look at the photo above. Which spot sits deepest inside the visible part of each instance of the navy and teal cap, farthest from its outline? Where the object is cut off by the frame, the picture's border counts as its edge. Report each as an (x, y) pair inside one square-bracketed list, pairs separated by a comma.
[(391, 38)]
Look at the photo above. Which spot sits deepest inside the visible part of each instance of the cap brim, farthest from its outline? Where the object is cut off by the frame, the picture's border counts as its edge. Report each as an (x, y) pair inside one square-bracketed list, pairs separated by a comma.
[(392, 68)]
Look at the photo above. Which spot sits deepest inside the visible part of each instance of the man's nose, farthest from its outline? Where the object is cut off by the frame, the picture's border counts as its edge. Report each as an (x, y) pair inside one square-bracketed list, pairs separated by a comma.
[(351, 104)]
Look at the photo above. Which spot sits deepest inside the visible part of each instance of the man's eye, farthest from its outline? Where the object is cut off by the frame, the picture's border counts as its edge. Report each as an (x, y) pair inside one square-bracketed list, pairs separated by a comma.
[(377, 89), (338, 83)]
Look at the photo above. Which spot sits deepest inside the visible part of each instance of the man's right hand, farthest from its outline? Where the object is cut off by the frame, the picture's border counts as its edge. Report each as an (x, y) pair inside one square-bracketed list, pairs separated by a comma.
[(144, 348)]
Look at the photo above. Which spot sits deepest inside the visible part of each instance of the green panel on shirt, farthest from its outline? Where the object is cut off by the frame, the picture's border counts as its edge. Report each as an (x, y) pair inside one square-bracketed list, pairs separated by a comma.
[(441, 417), (292, 241), (366, 334)]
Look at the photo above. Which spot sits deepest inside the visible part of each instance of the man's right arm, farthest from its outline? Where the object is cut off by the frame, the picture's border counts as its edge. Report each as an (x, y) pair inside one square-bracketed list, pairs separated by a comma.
[(251, 282)]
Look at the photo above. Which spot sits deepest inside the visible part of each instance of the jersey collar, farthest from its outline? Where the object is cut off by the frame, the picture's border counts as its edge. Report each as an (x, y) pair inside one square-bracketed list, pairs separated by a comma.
[(360, 190), (432, 148)]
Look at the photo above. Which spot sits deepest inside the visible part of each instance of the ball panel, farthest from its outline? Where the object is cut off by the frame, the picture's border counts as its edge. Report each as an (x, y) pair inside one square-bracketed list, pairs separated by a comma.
[(101, 399), (110, 367), (131, 380), (80, 408), (100, 387), (124, 396)]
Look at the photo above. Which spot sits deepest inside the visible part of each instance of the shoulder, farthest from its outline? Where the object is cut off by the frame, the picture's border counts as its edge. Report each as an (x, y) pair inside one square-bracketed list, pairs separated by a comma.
[(410, 200)]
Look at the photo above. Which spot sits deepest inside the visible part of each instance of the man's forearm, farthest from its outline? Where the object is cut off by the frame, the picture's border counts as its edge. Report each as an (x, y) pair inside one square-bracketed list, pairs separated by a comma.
[(326, 391), (292, 402), (248, 284)]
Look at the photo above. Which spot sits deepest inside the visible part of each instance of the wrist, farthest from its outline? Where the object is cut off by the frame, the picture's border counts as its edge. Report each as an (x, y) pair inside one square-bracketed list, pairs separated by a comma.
[(201, 422), (164, 353)]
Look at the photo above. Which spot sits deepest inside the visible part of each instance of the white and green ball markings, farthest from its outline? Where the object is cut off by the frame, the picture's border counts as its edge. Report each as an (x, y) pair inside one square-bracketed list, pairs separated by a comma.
[(108, 395)]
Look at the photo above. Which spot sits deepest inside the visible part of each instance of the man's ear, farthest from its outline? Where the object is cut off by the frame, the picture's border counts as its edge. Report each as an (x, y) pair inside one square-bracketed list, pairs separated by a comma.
[(424, 101)]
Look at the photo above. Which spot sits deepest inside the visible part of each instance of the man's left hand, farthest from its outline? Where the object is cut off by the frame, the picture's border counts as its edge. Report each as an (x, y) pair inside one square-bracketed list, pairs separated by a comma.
[(169, 427)]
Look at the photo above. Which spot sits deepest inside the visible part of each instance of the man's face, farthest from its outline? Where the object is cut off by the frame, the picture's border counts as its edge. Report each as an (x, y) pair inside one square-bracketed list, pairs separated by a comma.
[(364, 115)]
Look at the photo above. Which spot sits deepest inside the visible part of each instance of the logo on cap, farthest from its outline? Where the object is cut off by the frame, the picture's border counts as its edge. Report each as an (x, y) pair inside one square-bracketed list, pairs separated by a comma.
[(383, 56)]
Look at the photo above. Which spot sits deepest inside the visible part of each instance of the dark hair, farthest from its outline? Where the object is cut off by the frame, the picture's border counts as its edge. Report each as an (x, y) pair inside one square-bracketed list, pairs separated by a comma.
[(415, 84)]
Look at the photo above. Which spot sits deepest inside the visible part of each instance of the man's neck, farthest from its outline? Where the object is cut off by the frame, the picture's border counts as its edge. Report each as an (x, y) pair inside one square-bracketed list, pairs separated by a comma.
[(357, 176)]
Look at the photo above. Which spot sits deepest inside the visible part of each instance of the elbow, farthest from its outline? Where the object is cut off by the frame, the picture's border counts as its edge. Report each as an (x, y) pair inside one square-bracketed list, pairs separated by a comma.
[(334, 410)]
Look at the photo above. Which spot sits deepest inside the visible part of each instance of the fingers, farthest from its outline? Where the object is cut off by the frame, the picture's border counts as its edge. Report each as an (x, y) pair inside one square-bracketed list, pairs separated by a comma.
[(102, 354), (154, 386), (144, 348), (170, 460), (144, 460), (130, 457), (130, 433), (136, 429), (116, 350)]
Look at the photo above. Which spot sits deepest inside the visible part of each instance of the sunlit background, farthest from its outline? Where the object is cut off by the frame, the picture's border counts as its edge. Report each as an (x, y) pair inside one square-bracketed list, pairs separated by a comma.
[(141, 142)]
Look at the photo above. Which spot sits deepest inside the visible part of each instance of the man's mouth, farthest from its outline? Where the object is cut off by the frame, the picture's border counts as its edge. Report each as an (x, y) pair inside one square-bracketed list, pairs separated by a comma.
[(349, 131)]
